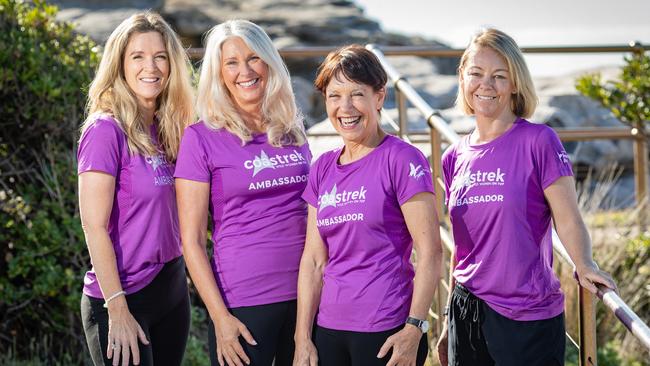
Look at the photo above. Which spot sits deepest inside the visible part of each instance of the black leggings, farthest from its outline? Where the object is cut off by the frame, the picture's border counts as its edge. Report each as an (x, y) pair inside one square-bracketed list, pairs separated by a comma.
[(272, 327), (162, 309), (348, 348), (479, 336)]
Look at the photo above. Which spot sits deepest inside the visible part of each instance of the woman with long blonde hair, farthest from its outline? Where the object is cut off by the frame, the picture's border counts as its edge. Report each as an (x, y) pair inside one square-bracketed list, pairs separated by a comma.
[(246, 163), (135, 303)]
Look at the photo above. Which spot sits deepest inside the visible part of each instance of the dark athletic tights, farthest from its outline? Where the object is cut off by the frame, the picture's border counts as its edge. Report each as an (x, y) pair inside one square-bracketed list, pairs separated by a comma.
[(272, 327), (162, 309)]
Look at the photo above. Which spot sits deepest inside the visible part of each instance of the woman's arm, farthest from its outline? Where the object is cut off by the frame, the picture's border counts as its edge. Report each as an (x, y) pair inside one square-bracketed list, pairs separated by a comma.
[(96, 191), (562, 198), (422, 222), (442, 345), (193, 198), (310, 282)]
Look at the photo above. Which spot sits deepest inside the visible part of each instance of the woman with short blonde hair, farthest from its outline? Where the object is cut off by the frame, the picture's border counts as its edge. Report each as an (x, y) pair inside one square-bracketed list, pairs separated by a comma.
[(135, 303), (524, 98), (246, 163), (507, 183)]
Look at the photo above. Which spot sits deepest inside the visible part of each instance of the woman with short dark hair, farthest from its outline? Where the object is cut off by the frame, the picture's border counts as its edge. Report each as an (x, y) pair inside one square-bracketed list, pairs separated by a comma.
[(370, 203)]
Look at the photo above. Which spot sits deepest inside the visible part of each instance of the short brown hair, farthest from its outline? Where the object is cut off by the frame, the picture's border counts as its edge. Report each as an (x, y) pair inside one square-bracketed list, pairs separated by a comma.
[(356, 64), (524, 101)]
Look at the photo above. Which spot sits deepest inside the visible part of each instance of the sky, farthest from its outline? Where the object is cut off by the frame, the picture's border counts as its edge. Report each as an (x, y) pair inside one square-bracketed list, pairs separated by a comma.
[(529, 22)]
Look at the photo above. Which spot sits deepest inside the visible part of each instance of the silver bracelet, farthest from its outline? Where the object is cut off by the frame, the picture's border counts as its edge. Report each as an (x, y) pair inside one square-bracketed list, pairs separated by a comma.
[(113, 296)]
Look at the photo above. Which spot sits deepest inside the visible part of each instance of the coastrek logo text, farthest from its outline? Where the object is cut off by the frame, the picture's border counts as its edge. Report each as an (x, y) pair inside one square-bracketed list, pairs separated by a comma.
[(336, 199), (264, 161), (481, 178)]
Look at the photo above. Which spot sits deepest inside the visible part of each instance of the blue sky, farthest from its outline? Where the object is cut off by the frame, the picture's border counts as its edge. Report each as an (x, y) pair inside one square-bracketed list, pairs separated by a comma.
[(531, 23)]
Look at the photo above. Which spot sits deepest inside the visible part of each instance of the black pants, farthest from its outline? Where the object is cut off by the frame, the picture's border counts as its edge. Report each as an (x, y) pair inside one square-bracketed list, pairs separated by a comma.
[(479, 336), (162, 309), (347, 348), (272, 327)]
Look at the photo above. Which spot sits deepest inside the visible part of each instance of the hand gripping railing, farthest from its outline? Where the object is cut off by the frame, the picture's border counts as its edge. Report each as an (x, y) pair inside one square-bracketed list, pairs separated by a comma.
[(587, 321), (440, 129)]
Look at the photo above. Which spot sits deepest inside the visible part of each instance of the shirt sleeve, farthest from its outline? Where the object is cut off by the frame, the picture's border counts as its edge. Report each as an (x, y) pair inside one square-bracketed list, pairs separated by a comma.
[(448, 162), (192, 159), (101, 148), (310, 194), (551, 160), (411, 174)]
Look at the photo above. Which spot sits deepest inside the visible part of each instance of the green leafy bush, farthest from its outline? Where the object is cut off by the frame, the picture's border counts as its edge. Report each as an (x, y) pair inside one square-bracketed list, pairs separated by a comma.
[(629, 97), (43, 67)]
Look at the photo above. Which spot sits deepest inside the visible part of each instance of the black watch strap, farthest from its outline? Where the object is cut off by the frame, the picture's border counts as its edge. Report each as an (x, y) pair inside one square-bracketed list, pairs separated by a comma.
[(414, 321)]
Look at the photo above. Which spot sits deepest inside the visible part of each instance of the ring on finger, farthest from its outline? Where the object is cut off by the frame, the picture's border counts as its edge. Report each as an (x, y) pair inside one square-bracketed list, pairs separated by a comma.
[(115, 345)]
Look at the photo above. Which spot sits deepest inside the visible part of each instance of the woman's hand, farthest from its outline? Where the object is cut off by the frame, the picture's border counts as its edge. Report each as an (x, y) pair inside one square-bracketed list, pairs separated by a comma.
[(405, 346), (590, 275), (305, 354), (562, 198), (227, 330), (442, 346), (123, 334)]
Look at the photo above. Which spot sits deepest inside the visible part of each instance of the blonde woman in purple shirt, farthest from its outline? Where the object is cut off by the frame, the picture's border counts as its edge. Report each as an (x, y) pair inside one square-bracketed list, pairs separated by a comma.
[(507, 182), (370, 203), (135, 303), (246, 164)]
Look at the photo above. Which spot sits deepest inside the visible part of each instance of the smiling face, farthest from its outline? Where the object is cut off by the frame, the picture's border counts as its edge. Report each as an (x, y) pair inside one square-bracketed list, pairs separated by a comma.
[(487, 85), (353, 108), (244, 73), (146, 67)]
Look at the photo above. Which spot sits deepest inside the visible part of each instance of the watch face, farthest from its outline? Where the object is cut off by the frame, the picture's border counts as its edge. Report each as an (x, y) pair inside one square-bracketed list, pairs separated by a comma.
[(424, 326)]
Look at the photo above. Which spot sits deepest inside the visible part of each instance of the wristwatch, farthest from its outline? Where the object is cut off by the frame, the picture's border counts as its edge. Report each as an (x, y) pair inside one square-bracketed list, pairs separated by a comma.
[(422, 324)]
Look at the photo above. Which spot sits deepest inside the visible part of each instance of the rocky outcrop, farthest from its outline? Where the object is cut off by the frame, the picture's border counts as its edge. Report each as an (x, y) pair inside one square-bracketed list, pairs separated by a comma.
[(290, 23)]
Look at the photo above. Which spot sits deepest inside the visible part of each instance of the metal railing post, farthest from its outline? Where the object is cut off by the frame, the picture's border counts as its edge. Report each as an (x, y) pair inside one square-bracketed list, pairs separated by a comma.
[(587, 325), (402, 116), (641, 175), (436, 173)]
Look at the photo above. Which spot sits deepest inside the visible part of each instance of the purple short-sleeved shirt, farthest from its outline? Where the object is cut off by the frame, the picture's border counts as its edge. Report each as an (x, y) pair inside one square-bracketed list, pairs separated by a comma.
[(368, 280), (143, 225), (259, 218), (501, 221)]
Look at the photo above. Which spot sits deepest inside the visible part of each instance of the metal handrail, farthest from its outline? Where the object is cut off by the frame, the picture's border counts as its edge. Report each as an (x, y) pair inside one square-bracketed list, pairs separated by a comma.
[(433, 117), (439, 51), (611, 299)]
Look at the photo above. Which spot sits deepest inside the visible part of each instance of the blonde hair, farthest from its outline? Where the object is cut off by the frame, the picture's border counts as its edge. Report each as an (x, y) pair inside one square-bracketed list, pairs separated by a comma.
[(524, 100), (215, 104), (109, 92)]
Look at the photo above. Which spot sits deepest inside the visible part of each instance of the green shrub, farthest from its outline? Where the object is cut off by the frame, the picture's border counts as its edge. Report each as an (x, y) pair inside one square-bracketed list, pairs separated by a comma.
[(43, 67), (629, 97)]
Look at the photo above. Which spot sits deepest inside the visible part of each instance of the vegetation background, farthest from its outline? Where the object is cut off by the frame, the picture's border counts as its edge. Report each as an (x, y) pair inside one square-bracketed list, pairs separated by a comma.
[(45, 68)]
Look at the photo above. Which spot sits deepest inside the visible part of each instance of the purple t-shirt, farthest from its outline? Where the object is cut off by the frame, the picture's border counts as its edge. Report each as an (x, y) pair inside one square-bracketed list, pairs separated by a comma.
[(259, 218), (501, 221), (143, 225), (368, 280)]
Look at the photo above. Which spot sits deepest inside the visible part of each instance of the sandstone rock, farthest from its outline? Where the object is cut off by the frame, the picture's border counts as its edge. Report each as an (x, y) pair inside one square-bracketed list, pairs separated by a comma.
[(99, 18)]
